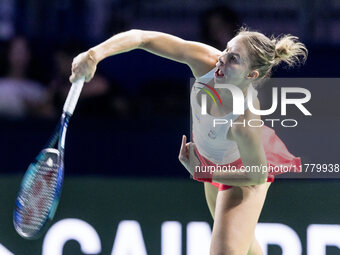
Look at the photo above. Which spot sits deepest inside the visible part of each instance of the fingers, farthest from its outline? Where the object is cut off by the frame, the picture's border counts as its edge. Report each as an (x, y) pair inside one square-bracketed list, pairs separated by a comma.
[(88, 78), (83, 66), (74, 77), (184, 141), (182, 150), (75, 72)]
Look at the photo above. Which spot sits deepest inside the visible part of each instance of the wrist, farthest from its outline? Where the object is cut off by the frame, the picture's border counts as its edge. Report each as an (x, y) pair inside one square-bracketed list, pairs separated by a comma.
[(94, 55), (202, 176)]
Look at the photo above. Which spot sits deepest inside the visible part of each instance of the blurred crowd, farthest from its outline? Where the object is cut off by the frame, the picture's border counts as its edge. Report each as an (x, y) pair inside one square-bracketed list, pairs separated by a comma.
[(26, 91), (39, 39), (35, 84)]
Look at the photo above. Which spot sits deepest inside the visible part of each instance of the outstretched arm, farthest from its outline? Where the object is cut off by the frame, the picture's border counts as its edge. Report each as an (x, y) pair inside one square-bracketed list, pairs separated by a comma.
[(198, 56)]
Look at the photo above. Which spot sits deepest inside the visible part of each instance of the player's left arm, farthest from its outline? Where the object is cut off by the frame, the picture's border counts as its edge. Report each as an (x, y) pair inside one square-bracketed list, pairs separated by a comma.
[(252, 153)]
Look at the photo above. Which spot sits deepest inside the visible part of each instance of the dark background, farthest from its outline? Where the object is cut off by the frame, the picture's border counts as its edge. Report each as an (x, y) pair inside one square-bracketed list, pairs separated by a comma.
[(137, 143)]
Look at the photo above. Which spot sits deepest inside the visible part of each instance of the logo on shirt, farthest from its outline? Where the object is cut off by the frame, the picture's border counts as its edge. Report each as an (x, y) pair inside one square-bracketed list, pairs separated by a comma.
[(204, 98), (212, 134)]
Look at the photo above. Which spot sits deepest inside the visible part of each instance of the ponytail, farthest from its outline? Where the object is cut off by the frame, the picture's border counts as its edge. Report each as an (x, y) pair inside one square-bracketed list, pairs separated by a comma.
[(290, 51)]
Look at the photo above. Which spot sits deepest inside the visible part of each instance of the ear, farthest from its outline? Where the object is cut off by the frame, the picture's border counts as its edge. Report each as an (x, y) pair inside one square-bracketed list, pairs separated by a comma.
[(253, 75)]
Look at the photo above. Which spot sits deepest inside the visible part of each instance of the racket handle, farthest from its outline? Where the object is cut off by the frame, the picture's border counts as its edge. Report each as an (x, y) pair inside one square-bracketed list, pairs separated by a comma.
[(73, 95)]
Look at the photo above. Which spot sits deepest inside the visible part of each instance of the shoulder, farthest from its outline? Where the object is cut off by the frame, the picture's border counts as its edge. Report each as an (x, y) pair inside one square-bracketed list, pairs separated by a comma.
[(204, 67), (202, 58)]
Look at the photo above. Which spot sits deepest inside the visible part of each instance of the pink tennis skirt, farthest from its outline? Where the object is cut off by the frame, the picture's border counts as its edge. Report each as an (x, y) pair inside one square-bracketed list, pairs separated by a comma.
[(279, 159)]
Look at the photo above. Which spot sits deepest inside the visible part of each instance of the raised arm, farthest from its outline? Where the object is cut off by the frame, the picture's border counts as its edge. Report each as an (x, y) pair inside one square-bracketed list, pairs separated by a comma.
[(198, 56)]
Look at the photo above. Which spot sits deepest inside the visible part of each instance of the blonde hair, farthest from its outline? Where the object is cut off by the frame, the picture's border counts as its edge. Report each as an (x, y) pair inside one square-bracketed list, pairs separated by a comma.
[(265, 53)]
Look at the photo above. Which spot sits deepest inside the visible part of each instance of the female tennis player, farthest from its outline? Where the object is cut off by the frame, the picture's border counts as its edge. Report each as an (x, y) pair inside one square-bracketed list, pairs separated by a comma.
[(235, 198)]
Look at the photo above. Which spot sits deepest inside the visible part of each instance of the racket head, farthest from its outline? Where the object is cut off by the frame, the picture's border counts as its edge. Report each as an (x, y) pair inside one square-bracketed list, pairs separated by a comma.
[(39, 194)]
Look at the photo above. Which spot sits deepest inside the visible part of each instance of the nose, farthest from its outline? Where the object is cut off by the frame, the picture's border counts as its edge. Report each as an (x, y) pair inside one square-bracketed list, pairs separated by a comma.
[(219, 62)]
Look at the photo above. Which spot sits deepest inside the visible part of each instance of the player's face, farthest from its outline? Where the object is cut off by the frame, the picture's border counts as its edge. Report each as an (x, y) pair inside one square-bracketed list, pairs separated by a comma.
[(233, 64)]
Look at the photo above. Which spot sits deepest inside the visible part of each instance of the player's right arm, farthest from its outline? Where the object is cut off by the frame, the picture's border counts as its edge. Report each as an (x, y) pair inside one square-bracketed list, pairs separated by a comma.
[(200, 57)]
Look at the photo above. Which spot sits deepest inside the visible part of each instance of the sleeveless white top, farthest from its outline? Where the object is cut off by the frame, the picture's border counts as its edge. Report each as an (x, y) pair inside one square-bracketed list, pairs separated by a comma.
[(212, 142)]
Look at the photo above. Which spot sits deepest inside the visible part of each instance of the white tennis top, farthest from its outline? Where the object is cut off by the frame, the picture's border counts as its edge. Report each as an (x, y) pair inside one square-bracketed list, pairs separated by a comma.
[(212, 142)]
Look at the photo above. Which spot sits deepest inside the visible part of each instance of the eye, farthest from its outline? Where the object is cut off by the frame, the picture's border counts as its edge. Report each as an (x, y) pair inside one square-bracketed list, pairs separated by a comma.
[(233, 59)]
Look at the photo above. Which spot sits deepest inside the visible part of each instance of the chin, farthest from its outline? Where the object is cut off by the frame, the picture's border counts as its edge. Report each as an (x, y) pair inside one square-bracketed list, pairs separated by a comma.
[(220, 80)]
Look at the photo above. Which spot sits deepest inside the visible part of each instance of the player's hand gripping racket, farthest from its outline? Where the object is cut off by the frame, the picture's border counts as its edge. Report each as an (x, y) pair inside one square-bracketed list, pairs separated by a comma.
[(40, 188)]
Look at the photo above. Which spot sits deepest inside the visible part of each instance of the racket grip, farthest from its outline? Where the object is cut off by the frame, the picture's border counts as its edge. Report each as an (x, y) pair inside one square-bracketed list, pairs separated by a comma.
[(73, 95)]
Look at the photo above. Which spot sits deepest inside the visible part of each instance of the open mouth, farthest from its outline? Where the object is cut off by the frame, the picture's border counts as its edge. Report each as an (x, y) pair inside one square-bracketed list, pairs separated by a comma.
[(219, 73)]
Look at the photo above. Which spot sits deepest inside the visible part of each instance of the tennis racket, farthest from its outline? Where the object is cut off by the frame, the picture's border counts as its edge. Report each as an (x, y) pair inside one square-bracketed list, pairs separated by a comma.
[(40, 189)]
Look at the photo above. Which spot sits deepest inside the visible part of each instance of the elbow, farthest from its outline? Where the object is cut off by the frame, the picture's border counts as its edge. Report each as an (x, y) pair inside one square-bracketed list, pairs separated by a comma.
[(138, 34)]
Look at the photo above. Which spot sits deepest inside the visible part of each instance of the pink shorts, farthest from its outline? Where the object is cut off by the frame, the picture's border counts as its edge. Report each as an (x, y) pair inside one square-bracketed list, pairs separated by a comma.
[(276, 152)]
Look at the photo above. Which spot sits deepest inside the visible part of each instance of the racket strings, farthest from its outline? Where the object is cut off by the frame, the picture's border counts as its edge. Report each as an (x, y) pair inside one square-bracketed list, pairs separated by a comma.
[(37, 196)]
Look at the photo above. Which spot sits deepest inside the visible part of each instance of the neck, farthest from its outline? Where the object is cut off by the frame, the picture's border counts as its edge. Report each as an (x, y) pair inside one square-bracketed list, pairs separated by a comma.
[(227, 93), (244, 87)]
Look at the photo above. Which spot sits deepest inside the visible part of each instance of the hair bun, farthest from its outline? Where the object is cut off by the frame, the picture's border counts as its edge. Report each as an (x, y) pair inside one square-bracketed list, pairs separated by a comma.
[(288, 49)]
